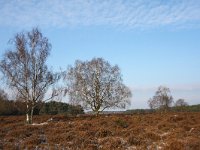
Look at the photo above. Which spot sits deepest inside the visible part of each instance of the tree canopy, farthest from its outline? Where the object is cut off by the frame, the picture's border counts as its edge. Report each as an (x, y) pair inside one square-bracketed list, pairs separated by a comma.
[(25, 68), (181, 102), (96, 85), (162, 99)]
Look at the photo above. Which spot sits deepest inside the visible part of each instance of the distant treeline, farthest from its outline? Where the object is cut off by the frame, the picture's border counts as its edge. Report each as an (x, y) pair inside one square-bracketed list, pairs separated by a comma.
[(11, 107), (191, 108), (54, 108)]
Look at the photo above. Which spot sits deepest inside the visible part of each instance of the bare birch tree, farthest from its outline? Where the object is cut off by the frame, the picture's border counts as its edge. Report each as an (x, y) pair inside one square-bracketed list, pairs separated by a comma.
[(25, 69), (96, 85), (181, 103), (162, 99)]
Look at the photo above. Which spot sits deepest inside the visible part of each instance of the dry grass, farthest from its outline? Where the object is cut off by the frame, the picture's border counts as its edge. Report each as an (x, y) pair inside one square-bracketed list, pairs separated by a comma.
[(149, 131)]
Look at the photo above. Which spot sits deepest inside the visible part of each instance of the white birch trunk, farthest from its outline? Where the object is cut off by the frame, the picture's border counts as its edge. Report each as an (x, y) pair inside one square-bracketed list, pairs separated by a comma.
[(31, 116), (27, 118)]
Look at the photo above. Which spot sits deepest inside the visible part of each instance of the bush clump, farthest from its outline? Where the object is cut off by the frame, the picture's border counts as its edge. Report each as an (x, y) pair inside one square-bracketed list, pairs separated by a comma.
[(121, 123)]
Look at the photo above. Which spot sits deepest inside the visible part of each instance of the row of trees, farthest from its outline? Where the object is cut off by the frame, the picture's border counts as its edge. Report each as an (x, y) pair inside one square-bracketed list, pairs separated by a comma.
[(93, 84), (55, 107), (164, 100), (5, 104), (18, 107)]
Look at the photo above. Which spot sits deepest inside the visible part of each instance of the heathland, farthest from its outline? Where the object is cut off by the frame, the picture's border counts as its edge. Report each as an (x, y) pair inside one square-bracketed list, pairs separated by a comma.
[(172, 130)]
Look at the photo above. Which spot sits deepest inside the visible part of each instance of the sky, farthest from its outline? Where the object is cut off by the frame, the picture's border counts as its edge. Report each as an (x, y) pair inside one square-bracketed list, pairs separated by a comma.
[(153, 42)]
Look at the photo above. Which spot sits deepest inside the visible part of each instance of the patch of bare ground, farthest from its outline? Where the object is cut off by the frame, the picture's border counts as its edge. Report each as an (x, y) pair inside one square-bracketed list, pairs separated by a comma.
[(167, 131)]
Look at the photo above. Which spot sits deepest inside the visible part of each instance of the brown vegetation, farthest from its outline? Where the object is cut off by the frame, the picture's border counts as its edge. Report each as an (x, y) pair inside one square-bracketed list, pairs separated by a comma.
[(148, 131)]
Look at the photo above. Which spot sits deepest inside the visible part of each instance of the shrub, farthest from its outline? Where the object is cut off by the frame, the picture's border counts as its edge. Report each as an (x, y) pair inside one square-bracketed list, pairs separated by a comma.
[(121, 123)]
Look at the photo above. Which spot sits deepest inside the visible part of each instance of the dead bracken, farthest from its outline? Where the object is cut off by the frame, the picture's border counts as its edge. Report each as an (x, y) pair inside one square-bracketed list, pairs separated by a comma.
[(152, 131)]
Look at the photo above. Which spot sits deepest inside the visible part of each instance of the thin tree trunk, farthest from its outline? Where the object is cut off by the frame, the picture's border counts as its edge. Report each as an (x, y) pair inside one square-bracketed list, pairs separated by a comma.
[(97, 113), (27, 114), (31, 116), (27, 118)]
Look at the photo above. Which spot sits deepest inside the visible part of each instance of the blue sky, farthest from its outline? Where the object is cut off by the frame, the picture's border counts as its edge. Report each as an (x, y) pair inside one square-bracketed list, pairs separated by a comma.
[(154, 43)]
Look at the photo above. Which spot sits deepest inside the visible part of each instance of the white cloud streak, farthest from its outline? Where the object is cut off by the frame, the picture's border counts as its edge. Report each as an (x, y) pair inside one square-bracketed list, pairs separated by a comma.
[(173, 87), (119, 13)]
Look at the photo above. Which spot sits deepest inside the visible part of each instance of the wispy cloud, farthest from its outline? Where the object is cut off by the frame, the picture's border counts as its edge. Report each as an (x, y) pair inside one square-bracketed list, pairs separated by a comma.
[(172, 87), (120, 13)]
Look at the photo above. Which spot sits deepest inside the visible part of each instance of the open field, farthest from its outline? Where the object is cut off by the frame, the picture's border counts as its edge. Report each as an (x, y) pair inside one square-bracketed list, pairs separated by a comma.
[(149, 131)]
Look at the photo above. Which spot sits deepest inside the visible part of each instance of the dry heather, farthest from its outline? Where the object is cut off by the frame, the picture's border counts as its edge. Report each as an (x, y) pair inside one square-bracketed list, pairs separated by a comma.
[(149, 131)]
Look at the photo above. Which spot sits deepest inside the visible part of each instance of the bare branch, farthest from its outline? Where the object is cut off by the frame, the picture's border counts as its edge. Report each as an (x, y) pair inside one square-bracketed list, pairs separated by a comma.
[(96, 85), (25, 67)]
